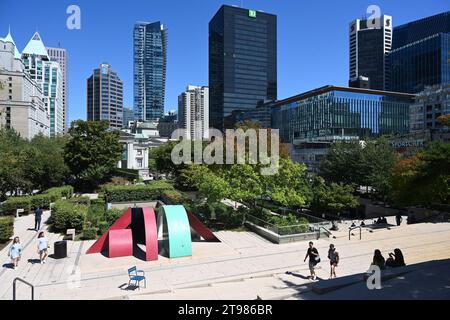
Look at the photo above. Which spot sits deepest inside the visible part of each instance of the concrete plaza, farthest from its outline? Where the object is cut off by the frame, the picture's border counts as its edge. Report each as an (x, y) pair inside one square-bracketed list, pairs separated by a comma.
[(242, 266)]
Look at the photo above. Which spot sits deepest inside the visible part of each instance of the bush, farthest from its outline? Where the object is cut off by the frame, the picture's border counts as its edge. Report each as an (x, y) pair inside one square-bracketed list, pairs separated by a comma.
[(12, 204), (103, 226), (89, 233), (68, 215), (6, 228), (129, 174), (113, 215), (66, 191), (41, 200), (85, 201), (173, 197), (153, 191), (96, 214)]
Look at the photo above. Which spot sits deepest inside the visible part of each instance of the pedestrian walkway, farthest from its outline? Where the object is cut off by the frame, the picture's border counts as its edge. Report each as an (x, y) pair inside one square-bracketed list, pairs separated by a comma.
[(242, 266)]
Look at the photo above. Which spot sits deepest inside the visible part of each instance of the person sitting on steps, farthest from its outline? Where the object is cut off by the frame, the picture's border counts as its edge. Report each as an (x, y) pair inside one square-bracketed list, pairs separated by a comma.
[(395, 259)]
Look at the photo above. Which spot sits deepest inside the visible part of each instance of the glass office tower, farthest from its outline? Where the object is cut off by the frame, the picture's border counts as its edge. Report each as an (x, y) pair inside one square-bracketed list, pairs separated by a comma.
[(337, 113), (242, 62), (420, 55), (150, 60)]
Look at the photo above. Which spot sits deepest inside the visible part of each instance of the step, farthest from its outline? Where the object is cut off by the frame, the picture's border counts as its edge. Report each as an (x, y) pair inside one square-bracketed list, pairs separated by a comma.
[(326, 286)]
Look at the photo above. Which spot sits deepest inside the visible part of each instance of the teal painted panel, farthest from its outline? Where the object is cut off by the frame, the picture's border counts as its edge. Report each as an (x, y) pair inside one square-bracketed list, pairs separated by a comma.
[(177, 238)]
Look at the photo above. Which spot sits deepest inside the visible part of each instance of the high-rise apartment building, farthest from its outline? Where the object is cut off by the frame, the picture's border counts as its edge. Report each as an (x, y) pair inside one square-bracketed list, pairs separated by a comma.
[(128, 115), (48, 75), (193, 112), (420, 54), (105, 96), (370, 43), (150, 60), (21, 100), (60, 55), (242, 62)]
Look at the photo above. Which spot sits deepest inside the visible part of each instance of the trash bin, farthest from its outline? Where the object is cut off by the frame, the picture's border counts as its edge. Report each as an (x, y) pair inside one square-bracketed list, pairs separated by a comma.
[(60, 250)]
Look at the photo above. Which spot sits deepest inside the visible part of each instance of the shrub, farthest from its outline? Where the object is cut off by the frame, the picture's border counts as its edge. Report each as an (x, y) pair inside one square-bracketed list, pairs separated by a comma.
[(66, 191), (112, 216), (12, 204), (6, 228), (41, 200), (68, 215), (95, 214), (89, 233), (81, 200), (153, 191), (103, 226), (173, 197), (129, 174)]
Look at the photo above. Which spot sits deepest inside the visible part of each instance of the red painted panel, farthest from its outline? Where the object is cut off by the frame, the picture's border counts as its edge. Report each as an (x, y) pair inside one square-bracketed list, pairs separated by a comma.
[(151, 234), (120, 243), (201, 229), (101, 244)]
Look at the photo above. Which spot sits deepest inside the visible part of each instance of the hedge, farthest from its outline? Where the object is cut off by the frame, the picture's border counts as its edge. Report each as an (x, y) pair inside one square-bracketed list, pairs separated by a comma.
[(89, 233), (68, 215), (130, 174), (173, 197), (66, 191), (13, 203), (153, 191), (6, 228)]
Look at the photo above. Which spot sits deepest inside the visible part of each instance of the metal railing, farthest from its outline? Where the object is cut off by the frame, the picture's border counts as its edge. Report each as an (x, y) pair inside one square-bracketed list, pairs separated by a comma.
[(25, 282), (353, 228)]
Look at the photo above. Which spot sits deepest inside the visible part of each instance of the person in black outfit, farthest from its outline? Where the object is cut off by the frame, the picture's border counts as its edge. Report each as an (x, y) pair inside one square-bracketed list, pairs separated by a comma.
[(398, 219), (37, 219), (313, 255), (395, 259)]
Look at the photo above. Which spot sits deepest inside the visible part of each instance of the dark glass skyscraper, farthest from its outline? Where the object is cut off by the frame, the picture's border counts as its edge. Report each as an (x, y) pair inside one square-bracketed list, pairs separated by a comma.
[(242, 62), (150, 60), (421, 54)]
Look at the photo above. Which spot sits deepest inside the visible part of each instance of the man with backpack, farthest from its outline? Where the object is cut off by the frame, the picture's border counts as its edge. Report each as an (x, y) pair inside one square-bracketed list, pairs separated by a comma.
[(314, 259)]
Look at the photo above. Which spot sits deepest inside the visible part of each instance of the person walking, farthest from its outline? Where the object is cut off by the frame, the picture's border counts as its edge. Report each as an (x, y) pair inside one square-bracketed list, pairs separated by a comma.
[(314, 259), (398, 219), (333, 255), (15, 252), (37, 218), (42, 247)]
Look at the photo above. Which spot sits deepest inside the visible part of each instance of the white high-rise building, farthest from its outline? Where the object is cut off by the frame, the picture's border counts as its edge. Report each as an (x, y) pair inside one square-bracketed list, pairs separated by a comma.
[(60, 55), (193, 112), (21, 100), (49, 76)]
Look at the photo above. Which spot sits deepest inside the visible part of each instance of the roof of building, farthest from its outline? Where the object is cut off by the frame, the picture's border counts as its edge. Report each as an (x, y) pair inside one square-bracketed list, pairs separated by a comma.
[(36, 46), (9, 38), (329, 88)]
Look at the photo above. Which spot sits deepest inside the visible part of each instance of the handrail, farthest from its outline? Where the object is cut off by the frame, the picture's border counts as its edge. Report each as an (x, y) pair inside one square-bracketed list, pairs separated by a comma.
[(23, 281), (326, 230), (353, 228)]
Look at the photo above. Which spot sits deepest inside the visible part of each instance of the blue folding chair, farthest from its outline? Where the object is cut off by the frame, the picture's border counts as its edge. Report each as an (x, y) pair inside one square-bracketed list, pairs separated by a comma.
[(135, 276)]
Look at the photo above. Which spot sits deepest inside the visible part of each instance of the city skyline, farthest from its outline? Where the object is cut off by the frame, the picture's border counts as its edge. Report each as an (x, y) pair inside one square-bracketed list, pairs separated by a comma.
[(301, 67)]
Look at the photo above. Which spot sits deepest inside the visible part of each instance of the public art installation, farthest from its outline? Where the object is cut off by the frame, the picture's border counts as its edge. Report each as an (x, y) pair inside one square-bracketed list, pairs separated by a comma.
[(139, 226)]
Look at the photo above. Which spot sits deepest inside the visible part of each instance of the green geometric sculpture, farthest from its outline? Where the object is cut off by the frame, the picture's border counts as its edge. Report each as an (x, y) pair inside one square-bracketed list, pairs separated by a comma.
[(177, 240)]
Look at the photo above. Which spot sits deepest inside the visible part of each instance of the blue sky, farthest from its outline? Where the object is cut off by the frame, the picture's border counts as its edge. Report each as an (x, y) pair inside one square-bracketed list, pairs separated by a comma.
[(312, 38)]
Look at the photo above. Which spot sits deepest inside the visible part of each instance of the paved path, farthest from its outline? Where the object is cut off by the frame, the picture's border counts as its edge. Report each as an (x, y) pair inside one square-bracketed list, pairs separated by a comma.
[(243, 266)]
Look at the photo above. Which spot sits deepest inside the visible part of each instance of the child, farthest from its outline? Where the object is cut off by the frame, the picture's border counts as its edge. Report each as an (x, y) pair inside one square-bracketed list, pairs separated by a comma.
[(15, 252), (333, 255), (42, 247)]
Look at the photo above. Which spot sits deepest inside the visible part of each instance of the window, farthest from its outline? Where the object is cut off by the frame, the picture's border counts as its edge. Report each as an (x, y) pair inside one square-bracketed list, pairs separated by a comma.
[(139, 163)]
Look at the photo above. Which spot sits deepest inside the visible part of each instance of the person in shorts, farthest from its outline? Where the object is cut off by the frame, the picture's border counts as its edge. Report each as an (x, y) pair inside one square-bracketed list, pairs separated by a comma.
[(313, 255), (333, 255), (42, 247), (15, 252)]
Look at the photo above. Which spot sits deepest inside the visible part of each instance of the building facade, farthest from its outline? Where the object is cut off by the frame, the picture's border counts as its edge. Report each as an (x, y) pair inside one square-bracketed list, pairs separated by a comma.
[(150, 61), (312, 121), (49, 76), (242, 62), (105, 97), (168, 124), (421, 54), (21, 99), (128, 116), (193, 112), (370, 43), (428, 106), (60, 55)]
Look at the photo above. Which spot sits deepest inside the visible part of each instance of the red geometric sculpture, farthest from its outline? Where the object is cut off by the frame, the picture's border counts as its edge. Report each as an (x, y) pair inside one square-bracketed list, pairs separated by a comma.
[(151, 234), (201, 229), (101, 244), (120, 243)]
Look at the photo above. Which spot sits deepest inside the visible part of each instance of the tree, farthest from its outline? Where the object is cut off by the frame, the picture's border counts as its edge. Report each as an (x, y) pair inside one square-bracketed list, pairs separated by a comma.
[(92, 152), (289, 186), (333, 198), (444, 120), (244, 182), (45, 167)]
